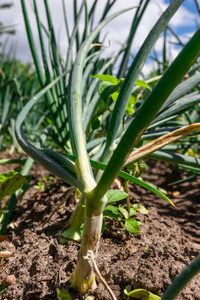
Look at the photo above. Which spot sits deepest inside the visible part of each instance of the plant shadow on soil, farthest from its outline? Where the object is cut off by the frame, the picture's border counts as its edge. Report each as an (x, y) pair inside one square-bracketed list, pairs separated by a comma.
[(168, 242)]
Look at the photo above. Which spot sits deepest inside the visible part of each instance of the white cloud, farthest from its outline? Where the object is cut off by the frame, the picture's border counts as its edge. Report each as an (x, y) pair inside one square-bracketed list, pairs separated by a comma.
[(117, 30)]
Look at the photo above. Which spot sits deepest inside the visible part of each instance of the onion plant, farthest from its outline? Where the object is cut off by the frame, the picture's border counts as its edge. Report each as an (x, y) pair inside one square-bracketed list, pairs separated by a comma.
[(122, 136), (18, 84)]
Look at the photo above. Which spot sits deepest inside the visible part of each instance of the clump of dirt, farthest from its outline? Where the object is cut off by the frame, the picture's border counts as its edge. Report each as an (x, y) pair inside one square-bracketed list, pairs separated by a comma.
[(168, 242)]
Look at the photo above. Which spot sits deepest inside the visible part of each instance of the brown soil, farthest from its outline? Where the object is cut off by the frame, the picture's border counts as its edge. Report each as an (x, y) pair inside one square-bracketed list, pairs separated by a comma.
[(168, 242)]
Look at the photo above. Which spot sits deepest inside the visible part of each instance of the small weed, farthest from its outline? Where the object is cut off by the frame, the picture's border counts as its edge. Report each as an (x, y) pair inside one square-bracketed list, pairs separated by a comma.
[(122, 214), (44, 185)]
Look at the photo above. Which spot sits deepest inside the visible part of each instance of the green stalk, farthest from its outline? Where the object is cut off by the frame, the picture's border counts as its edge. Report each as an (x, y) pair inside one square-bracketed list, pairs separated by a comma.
[(182, 280), (85, 33), (34, 51), (7, 99), (75, 108), (102, 166), (181, 90), (187, 57), (69, 61), (77, 33), (136, 20), (132, 76), (32, 45), (50, 164), (6, 161), (84, 276), (90, 103), (175, 158), (56, 69), (12, 201), (128, 203), (44, 57), (54, 48), (65, 19)]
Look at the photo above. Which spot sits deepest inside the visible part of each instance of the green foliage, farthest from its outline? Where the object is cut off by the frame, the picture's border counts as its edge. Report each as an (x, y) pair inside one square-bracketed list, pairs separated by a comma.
[(81, 121), (140, 294), (10, 182), (132, 225), (17, 84), (115, 195), (121, 214), (47, 183), (2, 288), (111, 86), (63, 295), (182, 279)]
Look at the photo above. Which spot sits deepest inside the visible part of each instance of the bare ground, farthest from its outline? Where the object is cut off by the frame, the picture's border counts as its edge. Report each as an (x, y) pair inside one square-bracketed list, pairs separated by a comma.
[(168, 242)]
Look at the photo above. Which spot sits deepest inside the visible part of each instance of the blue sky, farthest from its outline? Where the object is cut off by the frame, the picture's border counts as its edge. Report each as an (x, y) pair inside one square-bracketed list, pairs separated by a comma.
[(191, 7), (183, 23)]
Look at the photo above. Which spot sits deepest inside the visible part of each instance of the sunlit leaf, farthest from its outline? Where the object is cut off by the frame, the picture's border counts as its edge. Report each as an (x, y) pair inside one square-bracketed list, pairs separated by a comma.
[(115, 195), (115, 96), (123, 211), (111, 212), (63, 295), (10, 182), (132, 225), (142, 83), (141, 294), (2, 288), (106, 89), (142, 210), (132, 211), (107, 78)]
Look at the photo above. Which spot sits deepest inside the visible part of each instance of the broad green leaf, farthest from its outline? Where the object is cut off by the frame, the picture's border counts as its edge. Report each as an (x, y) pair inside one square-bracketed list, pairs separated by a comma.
[(115, 195), (130, 110), (111, 212), (123, 211), (120, 217), (142, 210), (142, 294), (132, 225), (135, 206), (115, 96), (132, 211), (96, 123), (107, 78), (103, 85), (142, 84), (2, 288), (18, 169), (63, 295), (132, 101), (127, 289), (10, 182), (106, 89), (111, 87), (141, 168)]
